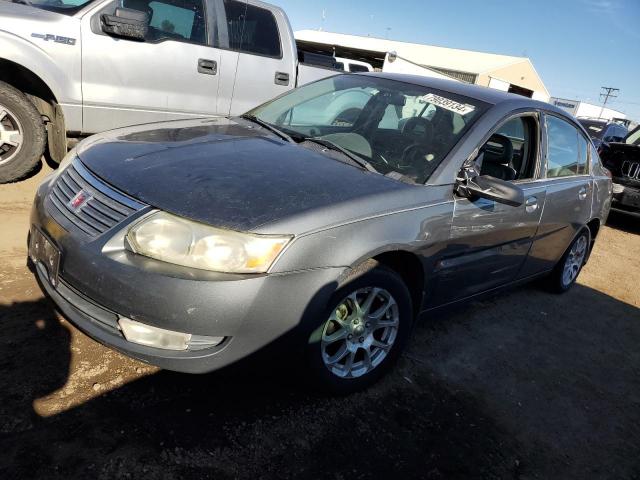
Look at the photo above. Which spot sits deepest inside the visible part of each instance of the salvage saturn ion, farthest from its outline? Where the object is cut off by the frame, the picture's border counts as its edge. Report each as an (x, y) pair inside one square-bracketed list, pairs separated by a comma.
[(332, 218)]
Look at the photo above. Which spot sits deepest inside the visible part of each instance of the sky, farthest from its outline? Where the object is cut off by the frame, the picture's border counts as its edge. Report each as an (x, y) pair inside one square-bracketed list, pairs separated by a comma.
[(577, 46)]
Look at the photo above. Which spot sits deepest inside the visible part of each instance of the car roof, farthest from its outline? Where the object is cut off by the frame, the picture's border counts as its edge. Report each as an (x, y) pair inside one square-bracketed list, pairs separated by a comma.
[(484, 94)]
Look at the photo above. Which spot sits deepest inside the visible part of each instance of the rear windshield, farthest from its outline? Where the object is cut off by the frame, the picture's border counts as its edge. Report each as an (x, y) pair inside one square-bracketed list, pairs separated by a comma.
[(594, 128), (634, 137)]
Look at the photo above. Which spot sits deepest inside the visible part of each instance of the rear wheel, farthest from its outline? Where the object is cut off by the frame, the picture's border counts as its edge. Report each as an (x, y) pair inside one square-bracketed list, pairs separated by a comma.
[(566, 272), (364, 330), (22, 135)]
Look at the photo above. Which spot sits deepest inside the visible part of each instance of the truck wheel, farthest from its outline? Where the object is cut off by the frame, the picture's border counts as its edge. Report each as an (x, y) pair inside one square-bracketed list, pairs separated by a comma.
[(22, 135)]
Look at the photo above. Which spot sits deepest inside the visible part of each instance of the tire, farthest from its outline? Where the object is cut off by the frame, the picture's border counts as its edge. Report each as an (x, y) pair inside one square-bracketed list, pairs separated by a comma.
[(346, 333), (560, 281), (22, 135)]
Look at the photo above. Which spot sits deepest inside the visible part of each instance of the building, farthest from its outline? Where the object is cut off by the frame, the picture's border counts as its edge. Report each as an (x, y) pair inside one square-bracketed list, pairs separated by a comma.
[(586, 110), (512, 74)]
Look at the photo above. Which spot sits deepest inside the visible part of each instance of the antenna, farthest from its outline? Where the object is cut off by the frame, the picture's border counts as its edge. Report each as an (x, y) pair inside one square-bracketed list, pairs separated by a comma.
[(324, 17)]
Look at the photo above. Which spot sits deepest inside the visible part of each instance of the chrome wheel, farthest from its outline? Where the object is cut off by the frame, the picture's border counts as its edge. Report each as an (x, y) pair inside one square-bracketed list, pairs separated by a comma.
[(10, 135), (360, 332), (574, 261)]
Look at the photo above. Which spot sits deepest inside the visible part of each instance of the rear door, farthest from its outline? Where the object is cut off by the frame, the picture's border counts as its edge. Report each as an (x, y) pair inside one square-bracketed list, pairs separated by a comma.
[(173, 74), (489, 241), (267, 54), (569, 189)]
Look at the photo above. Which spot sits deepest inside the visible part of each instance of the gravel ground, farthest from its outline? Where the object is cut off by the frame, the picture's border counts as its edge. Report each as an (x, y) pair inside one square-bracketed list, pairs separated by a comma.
[(525, 385)]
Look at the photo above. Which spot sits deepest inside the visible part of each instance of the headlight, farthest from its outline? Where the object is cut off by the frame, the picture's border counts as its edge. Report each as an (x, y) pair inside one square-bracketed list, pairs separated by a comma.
[(179, 241)]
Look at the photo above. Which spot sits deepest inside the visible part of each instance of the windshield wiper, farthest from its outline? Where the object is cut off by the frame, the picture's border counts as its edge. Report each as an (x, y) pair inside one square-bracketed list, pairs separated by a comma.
[(268, 126), (24, 2), (352, 156)]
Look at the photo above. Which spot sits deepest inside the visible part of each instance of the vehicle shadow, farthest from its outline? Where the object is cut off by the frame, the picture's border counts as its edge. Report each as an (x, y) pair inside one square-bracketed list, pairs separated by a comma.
[(445, 411), (626, 223)]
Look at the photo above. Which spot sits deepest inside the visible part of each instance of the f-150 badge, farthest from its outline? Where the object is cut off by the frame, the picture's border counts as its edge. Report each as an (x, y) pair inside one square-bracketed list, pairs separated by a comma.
[(55, 38)]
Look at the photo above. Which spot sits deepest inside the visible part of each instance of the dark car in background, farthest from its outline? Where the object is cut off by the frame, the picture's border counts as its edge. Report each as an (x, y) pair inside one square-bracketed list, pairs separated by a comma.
[(603, 131), (623, 160), (324, 222)]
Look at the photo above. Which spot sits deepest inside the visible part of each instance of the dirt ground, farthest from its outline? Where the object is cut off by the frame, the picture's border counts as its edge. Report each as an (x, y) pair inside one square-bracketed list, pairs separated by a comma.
[(525, 385)]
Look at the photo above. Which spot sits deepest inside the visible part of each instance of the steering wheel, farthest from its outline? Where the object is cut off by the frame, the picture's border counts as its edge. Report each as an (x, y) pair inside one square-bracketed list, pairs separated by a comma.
[(424, 134)]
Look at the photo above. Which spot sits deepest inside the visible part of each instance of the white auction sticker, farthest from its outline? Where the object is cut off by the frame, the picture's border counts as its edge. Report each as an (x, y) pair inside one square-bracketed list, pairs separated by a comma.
[(448, 104)]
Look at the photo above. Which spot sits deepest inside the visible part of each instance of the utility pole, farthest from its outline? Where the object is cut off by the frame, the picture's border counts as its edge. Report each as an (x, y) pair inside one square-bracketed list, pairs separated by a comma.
[(607, 93)]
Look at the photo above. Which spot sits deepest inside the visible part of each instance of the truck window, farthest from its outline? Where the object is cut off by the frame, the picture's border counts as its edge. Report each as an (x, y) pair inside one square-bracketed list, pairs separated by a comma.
[(252, 29), (354, 68), (181, 20)]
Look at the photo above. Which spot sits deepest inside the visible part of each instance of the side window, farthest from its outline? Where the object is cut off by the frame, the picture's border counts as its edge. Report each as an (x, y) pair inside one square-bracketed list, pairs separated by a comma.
[(583, 154), (182, 20), (596, 163), (511, 152), (567, 149), (252, 29)]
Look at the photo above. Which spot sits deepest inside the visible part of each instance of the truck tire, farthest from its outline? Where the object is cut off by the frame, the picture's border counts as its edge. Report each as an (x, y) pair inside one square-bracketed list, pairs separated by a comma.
[(22, 135)]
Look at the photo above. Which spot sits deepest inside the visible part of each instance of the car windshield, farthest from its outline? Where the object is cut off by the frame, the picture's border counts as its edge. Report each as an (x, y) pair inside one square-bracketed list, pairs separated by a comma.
[(398, 128), (63, 6), (594, 128), (634, 137)]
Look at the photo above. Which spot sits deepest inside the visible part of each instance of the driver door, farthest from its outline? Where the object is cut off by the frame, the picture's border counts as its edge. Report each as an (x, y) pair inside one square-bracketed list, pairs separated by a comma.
[(489, 241), (173, 74)]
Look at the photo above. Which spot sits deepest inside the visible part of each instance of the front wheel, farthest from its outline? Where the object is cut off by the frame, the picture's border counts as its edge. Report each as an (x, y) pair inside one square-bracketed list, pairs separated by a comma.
[(566, 272), (22, 135), (364, 330)]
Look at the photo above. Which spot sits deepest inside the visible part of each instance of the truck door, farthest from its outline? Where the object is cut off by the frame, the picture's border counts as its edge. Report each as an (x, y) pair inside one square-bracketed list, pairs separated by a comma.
[(173, 74), (267, 63)]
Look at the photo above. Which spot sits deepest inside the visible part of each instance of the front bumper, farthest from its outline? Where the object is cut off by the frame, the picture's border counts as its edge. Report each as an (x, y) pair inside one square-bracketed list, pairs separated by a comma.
[(96, 287), (626, 198)]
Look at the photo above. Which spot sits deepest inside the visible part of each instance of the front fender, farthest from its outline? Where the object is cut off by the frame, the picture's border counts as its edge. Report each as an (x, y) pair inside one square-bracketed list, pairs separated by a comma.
[(422, 231), (58, 65)]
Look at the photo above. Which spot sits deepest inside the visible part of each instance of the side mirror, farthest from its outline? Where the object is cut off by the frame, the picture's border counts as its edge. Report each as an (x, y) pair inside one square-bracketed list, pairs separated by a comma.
[(126, 23), (472, 185)]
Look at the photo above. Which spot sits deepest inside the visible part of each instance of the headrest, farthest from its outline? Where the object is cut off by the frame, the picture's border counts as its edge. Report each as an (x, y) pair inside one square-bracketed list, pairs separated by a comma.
[(498, 149)]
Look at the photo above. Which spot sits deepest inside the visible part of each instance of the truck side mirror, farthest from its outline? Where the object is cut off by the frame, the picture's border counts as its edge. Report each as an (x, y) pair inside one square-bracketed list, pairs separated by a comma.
[(126, 23)]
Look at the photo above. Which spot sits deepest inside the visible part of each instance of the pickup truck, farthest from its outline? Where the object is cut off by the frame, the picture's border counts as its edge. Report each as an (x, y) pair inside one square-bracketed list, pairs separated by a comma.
[(71, 68)]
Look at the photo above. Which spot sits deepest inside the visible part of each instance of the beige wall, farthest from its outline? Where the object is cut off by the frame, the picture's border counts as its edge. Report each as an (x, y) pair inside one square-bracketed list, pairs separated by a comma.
[(521, 74)]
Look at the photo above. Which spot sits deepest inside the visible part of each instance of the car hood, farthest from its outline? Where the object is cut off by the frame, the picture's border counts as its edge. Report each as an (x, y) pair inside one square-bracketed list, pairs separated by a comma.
[(233, 174)]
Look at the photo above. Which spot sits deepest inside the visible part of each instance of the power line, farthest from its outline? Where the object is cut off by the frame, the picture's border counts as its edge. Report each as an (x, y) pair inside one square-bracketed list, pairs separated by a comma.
[(607, 93)]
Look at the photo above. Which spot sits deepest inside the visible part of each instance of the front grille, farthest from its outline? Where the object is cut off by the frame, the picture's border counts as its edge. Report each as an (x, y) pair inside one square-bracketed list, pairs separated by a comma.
[(631, 170), (82, 199)]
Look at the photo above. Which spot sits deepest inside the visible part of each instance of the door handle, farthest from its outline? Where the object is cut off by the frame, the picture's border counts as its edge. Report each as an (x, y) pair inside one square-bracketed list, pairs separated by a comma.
[(582, 193), (282, 78), (208, 67), (531, 205)]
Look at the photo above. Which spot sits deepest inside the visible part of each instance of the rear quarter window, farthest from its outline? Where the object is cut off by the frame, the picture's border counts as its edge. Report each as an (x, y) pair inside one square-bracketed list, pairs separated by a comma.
[(252, 30)]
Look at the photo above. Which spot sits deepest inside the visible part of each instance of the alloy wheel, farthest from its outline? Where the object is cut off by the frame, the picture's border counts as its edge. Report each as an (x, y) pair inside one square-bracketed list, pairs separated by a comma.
[(574, 261), (11, 136), (360, 332)]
